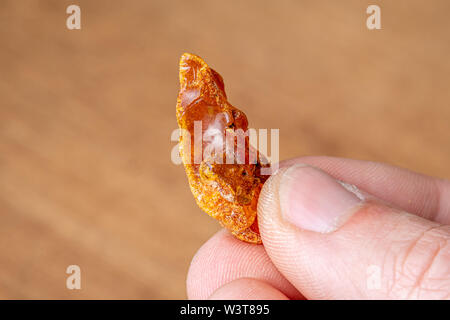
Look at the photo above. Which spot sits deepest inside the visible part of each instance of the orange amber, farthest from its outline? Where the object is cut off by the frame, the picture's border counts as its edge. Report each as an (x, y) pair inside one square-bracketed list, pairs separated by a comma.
[(226, 191)]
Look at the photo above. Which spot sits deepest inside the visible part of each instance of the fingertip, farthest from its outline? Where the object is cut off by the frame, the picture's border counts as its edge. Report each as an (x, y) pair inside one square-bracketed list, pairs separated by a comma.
[(197, 285), (247, 289), (224, 258)]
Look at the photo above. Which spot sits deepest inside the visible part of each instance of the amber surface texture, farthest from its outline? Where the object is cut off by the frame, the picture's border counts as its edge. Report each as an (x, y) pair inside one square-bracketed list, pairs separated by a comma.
[(226, 190)]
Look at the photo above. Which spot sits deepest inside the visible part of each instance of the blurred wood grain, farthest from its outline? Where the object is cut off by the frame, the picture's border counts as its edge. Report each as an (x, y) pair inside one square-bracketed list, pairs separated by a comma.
[(86, 117)]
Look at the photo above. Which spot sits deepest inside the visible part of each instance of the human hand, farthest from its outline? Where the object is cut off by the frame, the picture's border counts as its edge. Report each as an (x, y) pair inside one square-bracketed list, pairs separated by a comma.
[(387, 239)]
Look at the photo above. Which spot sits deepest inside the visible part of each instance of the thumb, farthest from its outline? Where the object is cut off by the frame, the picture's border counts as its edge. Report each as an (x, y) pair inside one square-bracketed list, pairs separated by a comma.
[(332, 241)]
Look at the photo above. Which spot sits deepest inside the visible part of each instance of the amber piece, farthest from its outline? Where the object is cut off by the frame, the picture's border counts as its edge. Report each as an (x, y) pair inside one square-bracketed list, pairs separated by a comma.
[(226, 191)]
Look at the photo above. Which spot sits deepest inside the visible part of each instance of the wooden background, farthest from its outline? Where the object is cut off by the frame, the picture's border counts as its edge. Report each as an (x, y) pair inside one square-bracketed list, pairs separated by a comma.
[(86, 117)]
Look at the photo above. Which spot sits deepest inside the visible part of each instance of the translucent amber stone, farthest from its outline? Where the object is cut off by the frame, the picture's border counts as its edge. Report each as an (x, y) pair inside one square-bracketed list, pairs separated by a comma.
[(226, 191)]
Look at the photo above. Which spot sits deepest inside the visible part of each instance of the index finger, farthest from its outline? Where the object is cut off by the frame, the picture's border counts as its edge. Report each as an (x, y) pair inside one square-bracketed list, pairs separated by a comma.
[(413, 192)]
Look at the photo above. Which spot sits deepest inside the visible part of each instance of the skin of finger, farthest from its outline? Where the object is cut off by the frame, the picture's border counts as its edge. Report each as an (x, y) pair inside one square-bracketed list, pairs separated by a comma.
[(422, 195), (224, 258), (409, 255), (247, 289)]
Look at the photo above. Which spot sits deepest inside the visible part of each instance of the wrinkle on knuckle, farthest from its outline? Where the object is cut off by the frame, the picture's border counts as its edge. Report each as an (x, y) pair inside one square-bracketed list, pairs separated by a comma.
[(422, 269)]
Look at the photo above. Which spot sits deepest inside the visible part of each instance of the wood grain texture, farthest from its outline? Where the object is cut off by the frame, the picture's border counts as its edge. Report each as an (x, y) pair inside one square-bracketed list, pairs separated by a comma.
[(86, 117)]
